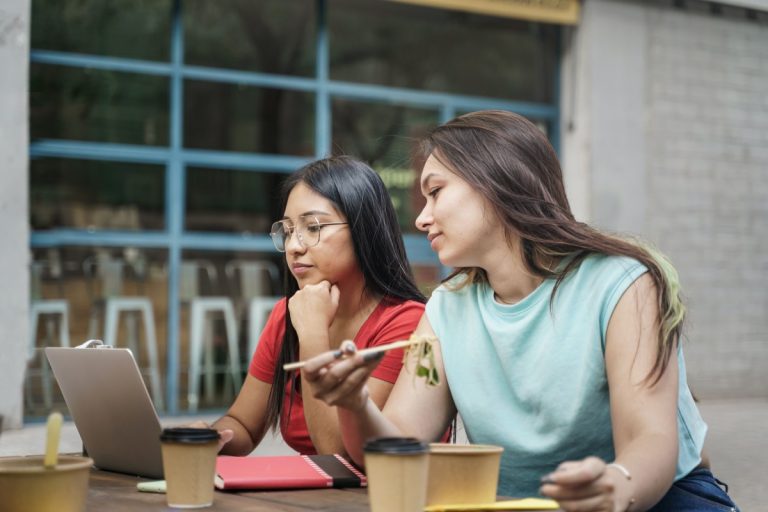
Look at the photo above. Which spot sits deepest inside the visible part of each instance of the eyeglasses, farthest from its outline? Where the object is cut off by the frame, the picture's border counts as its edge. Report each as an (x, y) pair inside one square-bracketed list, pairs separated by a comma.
[(307, 230)]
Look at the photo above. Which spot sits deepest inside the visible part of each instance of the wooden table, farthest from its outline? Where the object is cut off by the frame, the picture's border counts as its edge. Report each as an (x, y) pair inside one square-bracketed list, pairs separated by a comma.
[(117, 493)]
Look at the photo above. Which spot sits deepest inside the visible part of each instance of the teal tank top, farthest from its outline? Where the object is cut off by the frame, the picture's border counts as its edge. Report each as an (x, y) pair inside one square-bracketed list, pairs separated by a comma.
[(532, 379)]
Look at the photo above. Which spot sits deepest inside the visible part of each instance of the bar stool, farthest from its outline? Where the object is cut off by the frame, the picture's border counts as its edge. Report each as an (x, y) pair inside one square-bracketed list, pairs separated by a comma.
[(259, 309), (114, 306), (258, 281), (49, 310), (201, 332)]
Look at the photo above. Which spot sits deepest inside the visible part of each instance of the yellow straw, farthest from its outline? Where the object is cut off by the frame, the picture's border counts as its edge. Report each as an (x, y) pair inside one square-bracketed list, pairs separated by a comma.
[(52, 436)]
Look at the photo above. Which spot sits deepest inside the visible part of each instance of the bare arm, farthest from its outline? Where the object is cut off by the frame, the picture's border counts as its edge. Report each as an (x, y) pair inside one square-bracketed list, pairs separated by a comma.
[(413, 408), (323, 421), (643, 415), (312, 311), (245, 418)]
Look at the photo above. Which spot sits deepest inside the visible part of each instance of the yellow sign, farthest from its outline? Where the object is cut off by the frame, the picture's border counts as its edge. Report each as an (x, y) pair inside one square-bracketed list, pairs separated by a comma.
[(565, 12)]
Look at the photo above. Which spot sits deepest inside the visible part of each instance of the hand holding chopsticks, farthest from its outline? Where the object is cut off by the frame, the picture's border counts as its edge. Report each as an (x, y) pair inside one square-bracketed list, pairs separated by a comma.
[(365, 352)]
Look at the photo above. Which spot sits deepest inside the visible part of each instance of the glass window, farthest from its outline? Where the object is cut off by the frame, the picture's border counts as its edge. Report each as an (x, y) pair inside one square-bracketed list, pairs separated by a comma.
[(95, 105), (236, 117), (232, 274), (383, 136), (87, 194), (137, 29), (83, 276), (232, 201), (542, 124), (441, 50), (270, 36)]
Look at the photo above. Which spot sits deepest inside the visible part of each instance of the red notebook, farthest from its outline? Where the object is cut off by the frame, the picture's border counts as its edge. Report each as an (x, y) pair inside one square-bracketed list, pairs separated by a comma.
[(286, 472)]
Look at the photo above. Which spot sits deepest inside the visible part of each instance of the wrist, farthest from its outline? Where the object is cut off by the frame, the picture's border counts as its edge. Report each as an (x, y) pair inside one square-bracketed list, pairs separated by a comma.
[(623, 485), (361, 406)]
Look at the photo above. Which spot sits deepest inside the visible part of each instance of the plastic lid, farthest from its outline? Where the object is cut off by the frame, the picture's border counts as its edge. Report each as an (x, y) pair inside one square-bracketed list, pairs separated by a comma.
[(189, 435), (396, 445)]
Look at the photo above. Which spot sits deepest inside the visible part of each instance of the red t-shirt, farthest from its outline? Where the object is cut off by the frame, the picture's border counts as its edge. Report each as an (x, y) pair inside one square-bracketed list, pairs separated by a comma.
[(387, 323)]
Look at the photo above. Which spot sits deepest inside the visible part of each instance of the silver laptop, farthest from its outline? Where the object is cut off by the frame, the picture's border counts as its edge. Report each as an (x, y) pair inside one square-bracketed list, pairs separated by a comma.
[(110, 406)]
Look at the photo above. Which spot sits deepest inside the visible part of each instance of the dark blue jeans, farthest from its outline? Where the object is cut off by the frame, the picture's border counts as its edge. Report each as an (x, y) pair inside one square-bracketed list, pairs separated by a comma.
[(699, 491)]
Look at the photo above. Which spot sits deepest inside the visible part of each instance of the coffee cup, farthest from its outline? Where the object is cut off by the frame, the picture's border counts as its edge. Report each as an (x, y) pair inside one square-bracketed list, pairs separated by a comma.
[(26, 485), (189, 464), (463, 473), (397, 474)]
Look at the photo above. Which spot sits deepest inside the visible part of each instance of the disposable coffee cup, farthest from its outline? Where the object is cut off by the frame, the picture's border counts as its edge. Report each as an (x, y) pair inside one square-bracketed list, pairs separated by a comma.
[(189, 464), (397, 474)]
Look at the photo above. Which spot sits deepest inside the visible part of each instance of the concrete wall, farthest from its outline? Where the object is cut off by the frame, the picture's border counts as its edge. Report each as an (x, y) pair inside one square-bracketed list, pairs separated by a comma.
[(14, 255), (669, 127)]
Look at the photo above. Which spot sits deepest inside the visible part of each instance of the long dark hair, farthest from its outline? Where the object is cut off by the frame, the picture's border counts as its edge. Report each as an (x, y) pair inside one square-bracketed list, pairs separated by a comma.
[(359, 194), (510, 162)]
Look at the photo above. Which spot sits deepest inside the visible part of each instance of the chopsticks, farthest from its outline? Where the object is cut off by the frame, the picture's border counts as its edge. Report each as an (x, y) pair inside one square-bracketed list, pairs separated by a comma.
[(373, 350)]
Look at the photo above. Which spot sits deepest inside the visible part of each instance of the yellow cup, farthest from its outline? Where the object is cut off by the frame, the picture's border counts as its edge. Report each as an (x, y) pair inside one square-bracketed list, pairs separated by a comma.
[(189, 465), (397, 474), (463, 473), (27, 486)]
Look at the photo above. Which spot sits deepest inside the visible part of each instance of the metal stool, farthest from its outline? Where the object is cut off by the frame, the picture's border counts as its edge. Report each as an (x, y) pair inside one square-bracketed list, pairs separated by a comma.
[(259, 309), (110, 272), (201, 336), (258, 281), (50, 309)]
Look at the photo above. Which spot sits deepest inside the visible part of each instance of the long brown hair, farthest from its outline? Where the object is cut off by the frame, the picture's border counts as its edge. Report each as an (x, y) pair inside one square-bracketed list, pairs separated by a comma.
[(510, 162)]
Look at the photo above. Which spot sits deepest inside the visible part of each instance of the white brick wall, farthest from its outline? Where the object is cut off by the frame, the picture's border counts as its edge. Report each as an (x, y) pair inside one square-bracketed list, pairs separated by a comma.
[(707, 187), (665, 116)]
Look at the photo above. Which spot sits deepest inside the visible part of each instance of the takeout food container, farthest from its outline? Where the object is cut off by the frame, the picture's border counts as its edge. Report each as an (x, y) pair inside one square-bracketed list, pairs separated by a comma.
[(27, 486), (463, 473)]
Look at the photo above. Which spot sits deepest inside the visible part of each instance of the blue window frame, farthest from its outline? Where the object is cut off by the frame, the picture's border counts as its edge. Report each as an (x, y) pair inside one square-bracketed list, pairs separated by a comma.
[(175, 158)]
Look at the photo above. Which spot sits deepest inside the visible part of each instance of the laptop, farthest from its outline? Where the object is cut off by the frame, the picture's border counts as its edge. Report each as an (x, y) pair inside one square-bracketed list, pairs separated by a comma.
[(110, 406)]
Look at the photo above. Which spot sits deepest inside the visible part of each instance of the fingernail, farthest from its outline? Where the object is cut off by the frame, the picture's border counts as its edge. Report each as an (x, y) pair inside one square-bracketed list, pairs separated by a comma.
[(547, 479), (348, 346), (337, 354), (374, 356)]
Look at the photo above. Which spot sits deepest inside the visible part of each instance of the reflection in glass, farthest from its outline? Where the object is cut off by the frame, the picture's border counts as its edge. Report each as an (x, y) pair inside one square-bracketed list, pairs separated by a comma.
[(94, 105), (441, 50), (232, 201), (270, 36), (541, 124), (79, 276), (136, 29), (241, 277), (88, 194), (383, 135), (235, 117)]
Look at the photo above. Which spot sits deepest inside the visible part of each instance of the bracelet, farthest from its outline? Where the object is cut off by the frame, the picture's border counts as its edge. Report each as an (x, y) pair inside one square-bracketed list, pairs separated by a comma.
[(624, 471)]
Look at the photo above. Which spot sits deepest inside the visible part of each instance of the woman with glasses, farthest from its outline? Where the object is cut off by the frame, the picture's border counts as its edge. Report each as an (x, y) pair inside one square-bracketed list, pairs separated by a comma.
[(554, 340), (347, 278)]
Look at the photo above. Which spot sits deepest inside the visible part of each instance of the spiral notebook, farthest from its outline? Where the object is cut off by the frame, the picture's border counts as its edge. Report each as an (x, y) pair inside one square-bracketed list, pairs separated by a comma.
[(286, 472)]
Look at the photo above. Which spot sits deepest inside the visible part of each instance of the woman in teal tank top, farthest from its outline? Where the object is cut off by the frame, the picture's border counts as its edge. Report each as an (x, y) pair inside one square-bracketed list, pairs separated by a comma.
[(554, 340)]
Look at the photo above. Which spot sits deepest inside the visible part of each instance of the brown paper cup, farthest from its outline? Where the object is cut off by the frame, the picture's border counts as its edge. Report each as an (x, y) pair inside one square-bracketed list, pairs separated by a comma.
[(397, 474), (466, 473), (189, 465), (26, 486)]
